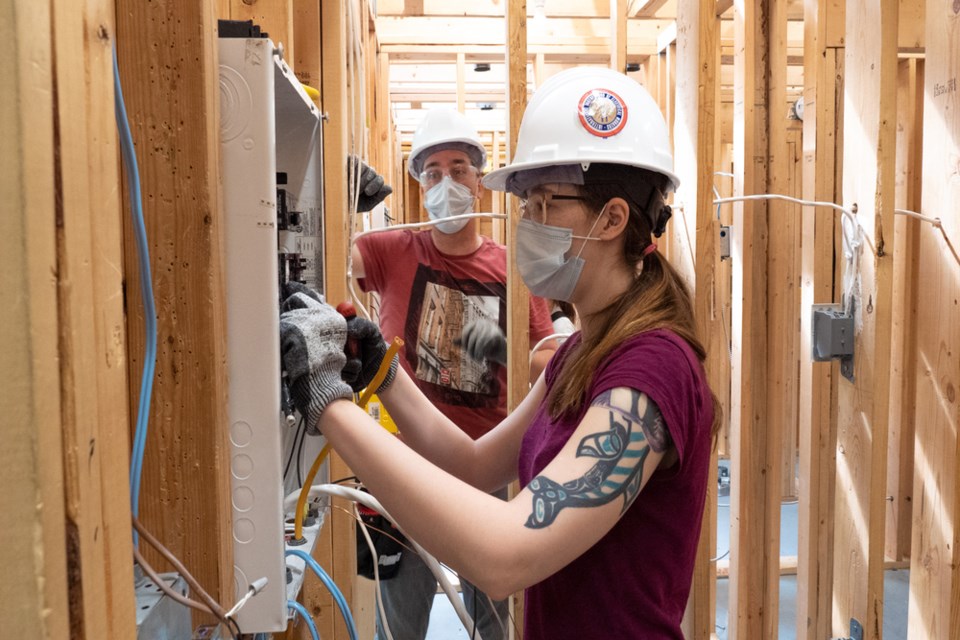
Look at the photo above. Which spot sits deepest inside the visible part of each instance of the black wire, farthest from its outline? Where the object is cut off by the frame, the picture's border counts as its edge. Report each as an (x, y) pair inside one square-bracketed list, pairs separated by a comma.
[(347, 479), (293, 446), (234, 629), (300, 458)]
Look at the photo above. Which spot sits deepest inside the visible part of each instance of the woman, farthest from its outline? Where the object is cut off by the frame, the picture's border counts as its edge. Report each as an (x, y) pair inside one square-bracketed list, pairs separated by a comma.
[(612, 444)]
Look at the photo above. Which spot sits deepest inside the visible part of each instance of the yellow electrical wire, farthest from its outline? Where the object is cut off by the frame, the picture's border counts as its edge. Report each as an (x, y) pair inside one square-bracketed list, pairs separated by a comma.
[(381, 372), (301, 511)]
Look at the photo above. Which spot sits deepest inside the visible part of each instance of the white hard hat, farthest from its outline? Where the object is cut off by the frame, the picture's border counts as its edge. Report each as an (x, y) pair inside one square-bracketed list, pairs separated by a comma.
[(590, 114), (444, 129)]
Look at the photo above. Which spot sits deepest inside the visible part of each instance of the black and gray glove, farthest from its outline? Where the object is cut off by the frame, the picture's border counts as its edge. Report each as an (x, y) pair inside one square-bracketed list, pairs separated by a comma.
[(373, 190), (483, 340), (312, 337), (366, 349)]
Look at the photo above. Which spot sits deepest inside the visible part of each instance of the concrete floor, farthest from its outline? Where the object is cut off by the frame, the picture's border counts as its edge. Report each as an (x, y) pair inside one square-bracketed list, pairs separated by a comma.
[(445, 625)]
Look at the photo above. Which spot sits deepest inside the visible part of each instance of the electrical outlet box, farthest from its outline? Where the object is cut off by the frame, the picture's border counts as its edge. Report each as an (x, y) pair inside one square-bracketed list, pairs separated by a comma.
[(832, 332), (833, 336), (724, 242)]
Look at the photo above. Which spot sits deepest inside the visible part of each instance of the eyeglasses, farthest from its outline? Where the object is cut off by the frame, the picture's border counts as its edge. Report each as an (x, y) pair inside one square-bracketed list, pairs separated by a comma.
[(535, 207), (461, 173)]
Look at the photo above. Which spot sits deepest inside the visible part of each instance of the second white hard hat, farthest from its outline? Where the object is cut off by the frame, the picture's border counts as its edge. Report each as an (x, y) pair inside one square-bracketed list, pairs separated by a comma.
[(585, 115), (444, 129)]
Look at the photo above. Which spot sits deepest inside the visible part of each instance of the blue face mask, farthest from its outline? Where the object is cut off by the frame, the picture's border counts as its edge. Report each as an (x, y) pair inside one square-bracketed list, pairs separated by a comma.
[(541, 261), (448, 198)]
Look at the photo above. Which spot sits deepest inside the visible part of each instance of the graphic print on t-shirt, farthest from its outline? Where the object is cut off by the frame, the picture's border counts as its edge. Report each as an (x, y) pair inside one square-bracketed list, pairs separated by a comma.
[(437, 314)]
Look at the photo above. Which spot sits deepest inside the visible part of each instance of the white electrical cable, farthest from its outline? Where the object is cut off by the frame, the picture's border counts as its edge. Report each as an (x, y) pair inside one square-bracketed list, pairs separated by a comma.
[(376, 572), (937, 224), (395, 227), (851, 239), (852, 215), (539, 345), (366, 499), (428, 223), (255, 587)]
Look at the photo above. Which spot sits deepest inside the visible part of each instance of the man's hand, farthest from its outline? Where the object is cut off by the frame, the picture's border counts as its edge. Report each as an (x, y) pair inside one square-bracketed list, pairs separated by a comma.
[(483, 340), (365, 352), (372, 188), (312, 337)]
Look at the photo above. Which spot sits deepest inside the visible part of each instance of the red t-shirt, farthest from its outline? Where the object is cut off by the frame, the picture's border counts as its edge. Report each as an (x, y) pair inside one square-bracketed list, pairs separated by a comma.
[(427, 297), (635, 581)]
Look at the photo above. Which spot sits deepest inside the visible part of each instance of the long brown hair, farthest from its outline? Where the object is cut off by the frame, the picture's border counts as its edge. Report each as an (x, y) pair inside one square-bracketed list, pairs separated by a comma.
[(658, 298)]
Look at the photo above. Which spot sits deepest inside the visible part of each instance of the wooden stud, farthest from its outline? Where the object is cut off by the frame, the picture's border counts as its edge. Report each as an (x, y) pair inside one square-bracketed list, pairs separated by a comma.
[(33, 595), (305, 57), (694, 161), (95, 416), (754, 543), (869, 172), (903, 391), (171, 51), (935, 566), (783, 291), (518, 306), (336, 548), (461, 82), (275, 17), (822, 138), (618, 35)]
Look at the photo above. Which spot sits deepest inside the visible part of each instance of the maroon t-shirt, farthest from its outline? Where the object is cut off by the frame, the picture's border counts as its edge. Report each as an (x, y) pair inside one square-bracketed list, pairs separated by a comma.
[(426, 298), (635, 581)]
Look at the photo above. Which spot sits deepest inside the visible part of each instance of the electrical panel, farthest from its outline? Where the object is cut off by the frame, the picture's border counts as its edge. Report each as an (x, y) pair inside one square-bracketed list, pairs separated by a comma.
[(271, 142)]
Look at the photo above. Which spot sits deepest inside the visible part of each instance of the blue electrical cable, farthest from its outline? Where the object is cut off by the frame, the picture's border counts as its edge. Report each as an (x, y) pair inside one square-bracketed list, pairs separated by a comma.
[(299, 608), (129, 155), (331, 586)]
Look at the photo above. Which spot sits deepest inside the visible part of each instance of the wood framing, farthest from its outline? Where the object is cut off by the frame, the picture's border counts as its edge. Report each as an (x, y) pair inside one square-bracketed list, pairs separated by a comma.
[(935, 566), (868, 182), (33, 597), (305, 57), (817, 411), (754, 444), (170, 51), (94, 411), (275, 17), (783, 263), (618, 35), (336, 548), (695, 152), (903, 390)]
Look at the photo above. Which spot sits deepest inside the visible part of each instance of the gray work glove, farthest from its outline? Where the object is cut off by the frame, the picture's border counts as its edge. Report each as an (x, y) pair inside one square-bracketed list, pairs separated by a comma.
[(373, 190), (483, 340), (312, 337), (366, 349)]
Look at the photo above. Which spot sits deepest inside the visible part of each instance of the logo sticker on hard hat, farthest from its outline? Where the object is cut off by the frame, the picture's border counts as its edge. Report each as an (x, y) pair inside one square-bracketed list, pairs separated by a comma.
[(602, 112)]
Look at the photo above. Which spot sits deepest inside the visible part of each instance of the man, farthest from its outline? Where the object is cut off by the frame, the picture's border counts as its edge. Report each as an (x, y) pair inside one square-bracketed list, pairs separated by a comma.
[(444, 292)]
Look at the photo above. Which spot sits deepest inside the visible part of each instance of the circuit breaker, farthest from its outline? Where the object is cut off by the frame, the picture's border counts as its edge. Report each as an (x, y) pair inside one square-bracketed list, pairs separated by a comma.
[(271, 141)]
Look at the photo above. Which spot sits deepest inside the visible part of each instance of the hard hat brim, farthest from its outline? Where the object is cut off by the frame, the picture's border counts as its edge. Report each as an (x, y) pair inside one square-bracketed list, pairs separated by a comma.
[(497, 180)]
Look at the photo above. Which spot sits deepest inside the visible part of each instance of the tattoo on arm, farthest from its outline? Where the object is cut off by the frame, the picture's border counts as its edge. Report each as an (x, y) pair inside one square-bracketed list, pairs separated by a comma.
[(636, 426)]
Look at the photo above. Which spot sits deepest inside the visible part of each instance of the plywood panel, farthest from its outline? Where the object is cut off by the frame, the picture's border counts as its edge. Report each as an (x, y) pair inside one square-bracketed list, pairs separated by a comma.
[(935, 569)]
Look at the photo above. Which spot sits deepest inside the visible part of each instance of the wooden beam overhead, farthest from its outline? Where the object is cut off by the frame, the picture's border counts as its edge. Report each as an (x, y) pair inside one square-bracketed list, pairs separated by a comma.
[(458, 31)]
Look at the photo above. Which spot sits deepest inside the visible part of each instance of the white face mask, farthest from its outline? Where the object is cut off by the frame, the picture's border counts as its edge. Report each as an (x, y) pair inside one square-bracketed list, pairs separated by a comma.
[(540, 259), (449, 198)]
